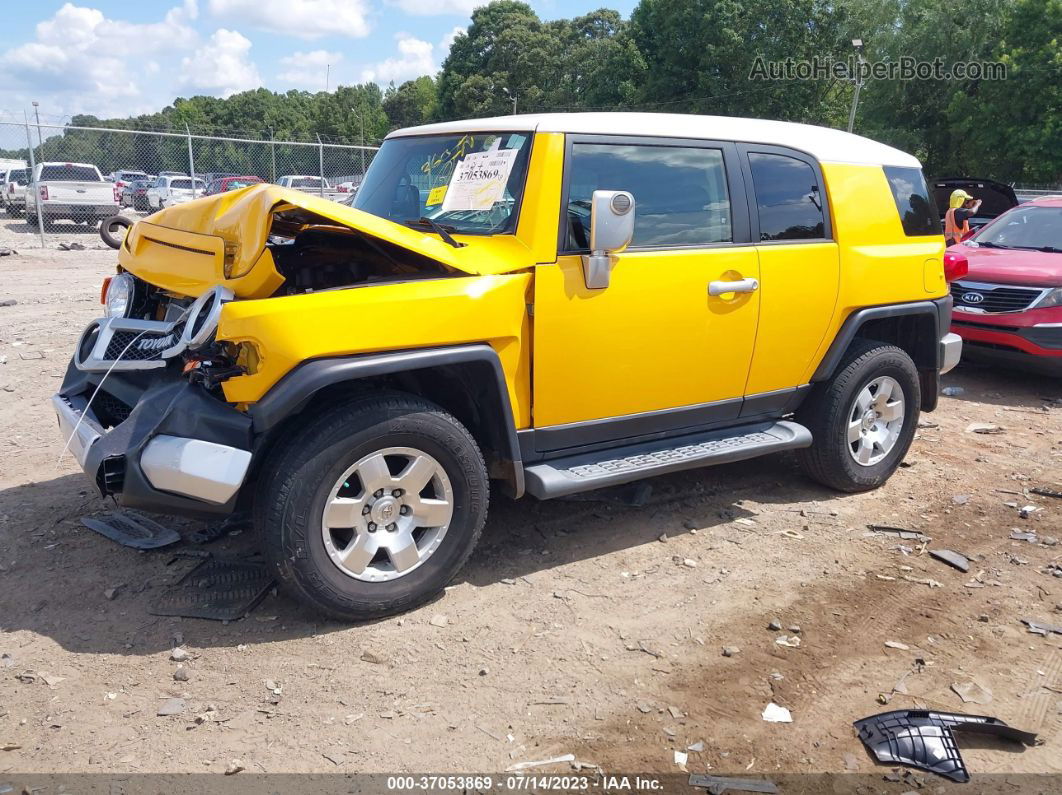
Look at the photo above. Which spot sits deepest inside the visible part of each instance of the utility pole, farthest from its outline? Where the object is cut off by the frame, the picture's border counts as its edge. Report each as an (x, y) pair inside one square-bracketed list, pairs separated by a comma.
[(328, 76), (511, 95), (37, 113), (858, 44), (361, 139)]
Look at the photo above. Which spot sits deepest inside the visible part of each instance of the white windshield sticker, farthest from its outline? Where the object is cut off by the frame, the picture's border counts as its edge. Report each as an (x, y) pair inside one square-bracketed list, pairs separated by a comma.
[(478, 182)]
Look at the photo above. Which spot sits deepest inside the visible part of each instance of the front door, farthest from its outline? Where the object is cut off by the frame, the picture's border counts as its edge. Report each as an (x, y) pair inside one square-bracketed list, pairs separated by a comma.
[(656, 339)]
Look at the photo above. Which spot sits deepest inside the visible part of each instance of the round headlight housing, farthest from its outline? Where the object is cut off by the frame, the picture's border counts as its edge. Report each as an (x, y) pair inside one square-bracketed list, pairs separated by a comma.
[(119, 298)]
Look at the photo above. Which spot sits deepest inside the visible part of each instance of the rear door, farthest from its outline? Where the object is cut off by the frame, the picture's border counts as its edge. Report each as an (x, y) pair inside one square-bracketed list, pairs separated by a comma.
[(656, 339), (799, 267)]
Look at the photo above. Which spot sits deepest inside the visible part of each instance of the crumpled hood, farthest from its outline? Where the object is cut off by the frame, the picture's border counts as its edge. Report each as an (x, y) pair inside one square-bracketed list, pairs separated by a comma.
[(221, 239)]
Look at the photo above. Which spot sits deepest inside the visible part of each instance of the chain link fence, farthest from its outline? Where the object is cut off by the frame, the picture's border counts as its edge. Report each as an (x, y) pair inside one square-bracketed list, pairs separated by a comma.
[(146, 170)]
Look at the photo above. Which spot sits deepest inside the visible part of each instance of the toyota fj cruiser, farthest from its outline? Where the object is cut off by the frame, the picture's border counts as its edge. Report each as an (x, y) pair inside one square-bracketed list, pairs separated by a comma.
[(543, 304)]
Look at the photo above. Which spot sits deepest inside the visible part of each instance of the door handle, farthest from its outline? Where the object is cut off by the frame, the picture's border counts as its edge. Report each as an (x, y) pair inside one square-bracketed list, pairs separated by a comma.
[(740, 286)]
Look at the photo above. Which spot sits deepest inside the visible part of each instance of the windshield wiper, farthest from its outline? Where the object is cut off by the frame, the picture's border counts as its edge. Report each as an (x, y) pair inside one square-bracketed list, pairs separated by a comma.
[(439, 229), (990, 244), (1049, 249)]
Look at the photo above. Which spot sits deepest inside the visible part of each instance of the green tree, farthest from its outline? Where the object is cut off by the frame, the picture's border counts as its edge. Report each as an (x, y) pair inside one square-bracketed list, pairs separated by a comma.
[(699, 54), (412, 103), (1012, 129)]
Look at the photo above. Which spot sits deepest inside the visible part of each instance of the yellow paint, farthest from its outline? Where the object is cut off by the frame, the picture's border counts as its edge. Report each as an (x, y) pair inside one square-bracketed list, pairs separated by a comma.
[(798, 292), (288, 330), (653, 339), (878, 263)]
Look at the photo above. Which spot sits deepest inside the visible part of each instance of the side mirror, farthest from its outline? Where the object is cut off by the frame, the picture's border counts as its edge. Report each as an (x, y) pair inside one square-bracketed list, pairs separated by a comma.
[(611, 230)]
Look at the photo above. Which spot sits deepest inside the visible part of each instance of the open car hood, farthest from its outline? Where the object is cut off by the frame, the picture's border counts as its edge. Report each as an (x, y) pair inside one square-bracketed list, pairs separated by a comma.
[(221, 239)]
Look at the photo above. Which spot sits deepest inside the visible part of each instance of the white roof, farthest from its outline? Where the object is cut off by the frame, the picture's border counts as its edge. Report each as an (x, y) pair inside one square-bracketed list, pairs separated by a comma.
[(824, 143)]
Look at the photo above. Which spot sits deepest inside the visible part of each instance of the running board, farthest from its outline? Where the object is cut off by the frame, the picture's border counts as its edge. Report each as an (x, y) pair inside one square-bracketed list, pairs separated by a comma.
[(602, 468)]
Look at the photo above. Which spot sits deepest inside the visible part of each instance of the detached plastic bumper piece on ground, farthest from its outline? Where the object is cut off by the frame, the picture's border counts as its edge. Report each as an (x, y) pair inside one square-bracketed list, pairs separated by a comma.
[(926, 740)]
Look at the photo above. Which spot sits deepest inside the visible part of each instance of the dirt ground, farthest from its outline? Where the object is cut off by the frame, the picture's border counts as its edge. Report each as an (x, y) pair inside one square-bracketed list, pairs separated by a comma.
[(588, 626)]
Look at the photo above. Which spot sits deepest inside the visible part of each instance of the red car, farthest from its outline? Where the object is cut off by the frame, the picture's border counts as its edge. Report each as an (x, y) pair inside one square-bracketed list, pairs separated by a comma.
[(1008, 306), (226, 184)]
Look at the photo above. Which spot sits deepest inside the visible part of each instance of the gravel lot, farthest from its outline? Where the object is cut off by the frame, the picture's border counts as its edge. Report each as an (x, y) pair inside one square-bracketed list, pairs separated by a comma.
[(585, 626)]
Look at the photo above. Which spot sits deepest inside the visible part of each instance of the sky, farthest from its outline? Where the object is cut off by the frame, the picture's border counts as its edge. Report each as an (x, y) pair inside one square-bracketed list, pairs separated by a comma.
[(126, 57)]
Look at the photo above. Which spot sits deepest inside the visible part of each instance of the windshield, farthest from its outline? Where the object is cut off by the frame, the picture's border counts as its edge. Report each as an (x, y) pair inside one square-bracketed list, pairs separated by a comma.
[(1025, 227), (469, 183), (70, 172), (186, 184), (306, 182)]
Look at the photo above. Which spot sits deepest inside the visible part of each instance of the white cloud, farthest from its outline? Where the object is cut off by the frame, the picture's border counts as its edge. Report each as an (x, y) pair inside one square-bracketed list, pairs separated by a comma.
[(309, 69), (307, 19), (82, 62), (415, 58), (221, 66), (448, 40), (432, 8)]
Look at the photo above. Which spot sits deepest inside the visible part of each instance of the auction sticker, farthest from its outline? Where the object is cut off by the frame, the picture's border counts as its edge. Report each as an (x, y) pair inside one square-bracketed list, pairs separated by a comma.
[(478, 181)]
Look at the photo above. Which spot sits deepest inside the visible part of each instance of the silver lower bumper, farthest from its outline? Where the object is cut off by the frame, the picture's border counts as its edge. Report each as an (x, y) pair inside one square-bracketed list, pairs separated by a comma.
[(195, 468), (79, 432), (950, 352), (192, 468)]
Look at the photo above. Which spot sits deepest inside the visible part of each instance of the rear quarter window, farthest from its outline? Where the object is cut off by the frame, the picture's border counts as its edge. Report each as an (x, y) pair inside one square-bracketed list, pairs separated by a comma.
[(914, 202)]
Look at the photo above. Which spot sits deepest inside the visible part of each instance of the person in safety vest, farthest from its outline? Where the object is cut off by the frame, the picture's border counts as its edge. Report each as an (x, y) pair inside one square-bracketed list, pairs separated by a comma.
[(961, 208)]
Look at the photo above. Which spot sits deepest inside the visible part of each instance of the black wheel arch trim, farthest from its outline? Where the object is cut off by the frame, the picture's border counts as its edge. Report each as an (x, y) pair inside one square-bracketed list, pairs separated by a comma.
[(939, 309), (292, 392)]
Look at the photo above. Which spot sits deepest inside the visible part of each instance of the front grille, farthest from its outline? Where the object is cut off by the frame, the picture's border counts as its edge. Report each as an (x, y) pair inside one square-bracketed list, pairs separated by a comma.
[(148, 347), (995, 298), (110, 410)]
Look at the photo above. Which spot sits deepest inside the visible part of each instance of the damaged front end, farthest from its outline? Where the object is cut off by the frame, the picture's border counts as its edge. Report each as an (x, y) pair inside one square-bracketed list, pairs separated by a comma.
[(148, 407), (140, 411)]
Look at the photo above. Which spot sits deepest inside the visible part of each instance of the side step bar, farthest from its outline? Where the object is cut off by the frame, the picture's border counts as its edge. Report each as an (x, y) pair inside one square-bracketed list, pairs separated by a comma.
[(588, 471)]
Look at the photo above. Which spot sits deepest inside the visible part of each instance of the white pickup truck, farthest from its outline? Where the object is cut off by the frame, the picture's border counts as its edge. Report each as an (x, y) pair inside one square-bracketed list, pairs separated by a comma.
[(74, 191), (308, 183)]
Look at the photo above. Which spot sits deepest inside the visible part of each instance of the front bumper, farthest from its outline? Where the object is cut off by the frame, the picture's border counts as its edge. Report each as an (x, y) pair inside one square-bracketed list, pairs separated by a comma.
[(179, 450)]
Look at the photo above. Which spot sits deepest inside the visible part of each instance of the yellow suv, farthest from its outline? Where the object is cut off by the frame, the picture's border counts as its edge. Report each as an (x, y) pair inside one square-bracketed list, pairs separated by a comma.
[(546, 304)]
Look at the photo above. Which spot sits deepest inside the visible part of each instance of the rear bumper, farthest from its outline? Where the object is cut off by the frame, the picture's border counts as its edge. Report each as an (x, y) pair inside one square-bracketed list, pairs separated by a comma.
[(179, 450), (950, 352), (77, 210)]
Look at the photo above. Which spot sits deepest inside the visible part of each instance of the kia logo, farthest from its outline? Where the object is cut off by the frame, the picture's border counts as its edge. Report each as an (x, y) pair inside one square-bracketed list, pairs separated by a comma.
[(972, 298)]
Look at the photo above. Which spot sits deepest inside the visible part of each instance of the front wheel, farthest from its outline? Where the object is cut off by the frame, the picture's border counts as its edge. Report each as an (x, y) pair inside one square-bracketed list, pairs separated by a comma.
[(863, 419), (373, 506)]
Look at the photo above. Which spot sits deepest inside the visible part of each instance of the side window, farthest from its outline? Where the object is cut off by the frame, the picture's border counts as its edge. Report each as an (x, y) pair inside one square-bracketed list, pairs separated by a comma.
[(914, 202), (787, 198), (680, 192)]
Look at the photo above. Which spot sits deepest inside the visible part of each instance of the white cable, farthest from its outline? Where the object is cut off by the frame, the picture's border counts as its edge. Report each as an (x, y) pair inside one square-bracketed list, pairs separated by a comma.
[(95, 392)]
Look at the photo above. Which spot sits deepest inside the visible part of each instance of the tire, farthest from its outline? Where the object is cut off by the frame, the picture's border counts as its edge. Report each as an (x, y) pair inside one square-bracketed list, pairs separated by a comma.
[(14, 211), (113, 230), (31, 218), (842, 434), (319, 460)]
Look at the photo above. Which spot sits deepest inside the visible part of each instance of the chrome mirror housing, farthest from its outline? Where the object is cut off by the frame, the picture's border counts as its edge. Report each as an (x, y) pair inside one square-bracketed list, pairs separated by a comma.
[(611, 230)]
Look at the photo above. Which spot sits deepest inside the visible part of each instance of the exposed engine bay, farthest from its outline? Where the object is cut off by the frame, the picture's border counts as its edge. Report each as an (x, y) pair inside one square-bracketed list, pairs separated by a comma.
[(313, 253)]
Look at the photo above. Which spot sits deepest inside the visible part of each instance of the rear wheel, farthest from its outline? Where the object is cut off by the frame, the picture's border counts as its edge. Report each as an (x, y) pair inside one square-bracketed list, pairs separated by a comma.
[(372, 507), (863, 419)]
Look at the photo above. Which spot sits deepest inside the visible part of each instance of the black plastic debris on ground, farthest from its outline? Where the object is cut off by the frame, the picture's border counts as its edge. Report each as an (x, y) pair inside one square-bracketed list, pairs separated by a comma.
[(132, 529), (926, 740), (717, 785), (218, 588), (238, 521)]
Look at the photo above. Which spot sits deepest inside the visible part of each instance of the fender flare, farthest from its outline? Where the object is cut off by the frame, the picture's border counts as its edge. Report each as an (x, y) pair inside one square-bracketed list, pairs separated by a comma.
[(292, 392), (939, 310)]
